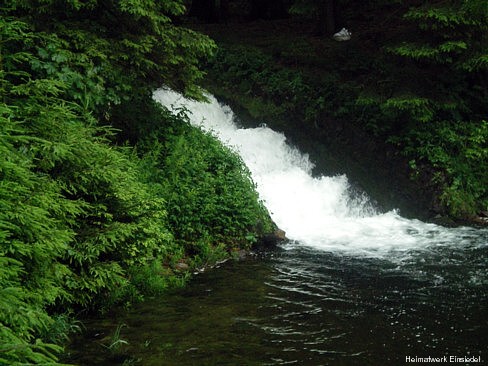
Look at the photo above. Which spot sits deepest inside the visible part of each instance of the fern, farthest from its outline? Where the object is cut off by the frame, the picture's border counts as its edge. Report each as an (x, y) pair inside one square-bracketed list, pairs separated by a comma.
[(78, 213)]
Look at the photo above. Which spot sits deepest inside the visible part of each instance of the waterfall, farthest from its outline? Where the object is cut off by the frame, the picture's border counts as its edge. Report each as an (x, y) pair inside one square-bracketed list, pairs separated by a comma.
[(318, 212)]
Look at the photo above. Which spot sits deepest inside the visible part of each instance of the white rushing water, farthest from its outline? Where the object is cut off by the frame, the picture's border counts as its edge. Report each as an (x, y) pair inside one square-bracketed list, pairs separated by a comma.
[(314, 211)]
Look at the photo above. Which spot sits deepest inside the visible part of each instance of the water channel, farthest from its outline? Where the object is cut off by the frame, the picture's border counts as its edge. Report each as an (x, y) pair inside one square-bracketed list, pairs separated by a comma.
[(352, 286)]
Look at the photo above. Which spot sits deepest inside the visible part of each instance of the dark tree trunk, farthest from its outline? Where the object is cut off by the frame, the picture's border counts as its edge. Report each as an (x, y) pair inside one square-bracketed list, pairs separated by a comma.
[(210, 11), (329, 17), (277, 9), (259, 9), (327, 23), (224, 10), (267, 9)]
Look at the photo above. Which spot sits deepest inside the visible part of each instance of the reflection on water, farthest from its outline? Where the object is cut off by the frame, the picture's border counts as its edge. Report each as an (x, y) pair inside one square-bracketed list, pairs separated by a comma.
[(300, 306)]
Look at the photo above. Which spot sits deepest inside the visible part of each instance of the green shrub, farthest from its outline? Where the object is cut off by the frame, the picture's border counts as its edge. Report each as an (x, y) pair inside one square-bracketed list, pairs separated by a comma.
[(32, 241), (458, 153), (82, 220), (211, 199), (426, 97)]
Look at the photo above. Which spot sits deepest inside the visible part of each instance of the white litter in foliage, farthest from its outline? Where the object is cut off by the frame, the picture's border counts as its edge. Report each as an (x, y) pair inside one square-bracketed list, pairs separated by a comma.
[(342, 35)]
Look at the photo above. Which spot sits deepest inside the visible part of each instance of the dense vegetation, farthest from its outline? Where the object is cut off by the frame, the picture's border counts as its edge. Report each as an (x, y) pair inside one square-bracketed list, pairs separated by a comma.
[(412, 80), (103, 192)]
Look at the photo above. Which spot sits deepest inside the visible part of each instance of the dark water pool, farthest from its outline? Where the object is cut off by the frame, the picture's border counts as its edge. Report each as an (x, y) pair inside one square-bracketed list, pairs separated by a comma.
[(302, 306)]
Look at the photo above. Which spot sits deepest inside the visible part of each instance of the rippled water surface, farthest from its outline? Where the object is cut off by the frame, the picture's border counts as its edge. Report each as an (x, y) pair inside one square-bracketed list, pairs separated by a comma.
[(301, 306), (353, 286)]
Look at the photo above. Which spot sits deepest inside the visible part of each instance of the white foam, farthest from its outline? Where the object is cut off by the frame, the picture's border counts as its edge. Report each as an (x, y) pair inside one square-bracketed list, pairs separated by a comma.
[(314, 211)]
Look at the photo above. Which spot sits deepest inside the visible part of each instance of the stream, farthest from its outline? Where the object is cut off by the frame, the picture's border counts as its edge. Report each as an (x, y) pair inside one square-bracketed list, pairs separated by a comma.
[(353, 285)]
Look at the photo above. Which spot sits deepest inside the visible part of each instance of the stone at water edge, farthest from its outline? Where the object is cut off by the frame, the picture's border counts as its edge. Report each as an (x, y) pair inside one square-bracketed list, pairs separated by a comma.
[(181, 266), (280, 235), (274, 238)]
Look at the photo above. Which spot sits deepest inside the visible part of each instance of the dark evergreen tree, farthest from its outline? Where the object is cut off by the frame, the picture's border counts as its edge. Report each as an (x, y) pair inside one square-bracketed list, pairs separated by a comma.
[(267, 9), (210, 11), (324, 11)]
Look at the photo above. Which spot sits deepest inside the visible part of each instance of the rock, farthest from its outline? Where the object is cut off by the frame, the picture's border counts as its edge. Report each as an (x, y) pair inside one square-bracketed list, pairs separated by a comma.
[(182, 266), (481, 220), (242, 254), (274, 238), (280, 235), (445, 221)]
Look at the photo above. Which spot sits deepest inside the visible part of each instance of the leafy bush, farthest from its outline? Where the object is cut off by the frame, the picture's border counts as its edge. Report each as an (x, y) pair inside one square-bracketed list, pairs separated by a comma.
[(453, 30), (424, 92), (81, 219), (32, 241), (210, 196), (272, 91), (459, 156)]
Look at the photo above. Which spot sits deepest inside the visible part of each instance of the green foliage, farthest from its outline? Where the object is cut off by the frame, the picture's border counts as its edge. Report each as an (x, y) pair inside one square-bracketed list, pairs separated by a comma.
[(450, 41), (31, 243), (154, 278), (74, 214), (211, 199), (116, 341), (455, 29), (84, 223), (300, 7), (458, 152), (442, 53), (430, 72), (452, 151), (119, 45), (418, 109), (32, 235), (271, 91)]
